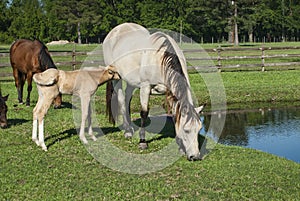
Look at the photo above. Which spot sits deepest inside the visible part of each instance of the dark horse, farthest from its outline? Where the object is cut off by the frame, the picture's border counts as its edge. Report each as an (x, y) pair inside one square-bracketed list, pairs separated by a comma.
[(3, 110), (28, 57)]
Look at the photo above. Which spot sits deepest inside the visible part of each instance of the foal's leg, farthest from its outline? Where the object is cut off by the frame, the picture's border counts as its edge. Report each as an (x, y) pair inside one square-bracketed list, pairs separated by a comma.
[(47, 102), (144, 98), (39, 112), (35, 123), (89, 117), (37, 109), (85, 100)]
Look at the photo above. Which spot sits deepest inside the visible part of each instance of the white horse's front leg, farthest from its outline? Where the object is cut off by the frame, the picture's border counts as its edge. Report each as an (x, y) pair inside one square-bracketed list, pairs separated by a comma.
[(144, 98), (41, 135)]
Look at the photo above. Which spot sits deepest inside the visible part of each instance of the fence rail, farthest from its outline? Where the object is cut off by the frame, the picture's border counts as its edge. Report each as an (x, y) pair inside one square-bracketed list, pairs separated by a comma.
[(219, 57)]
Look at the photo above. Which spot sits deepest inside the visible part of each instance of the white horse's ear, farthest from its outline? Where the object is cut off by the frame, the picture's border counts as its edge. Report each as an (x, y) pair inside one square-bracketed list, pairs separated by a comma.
[(200, 108)]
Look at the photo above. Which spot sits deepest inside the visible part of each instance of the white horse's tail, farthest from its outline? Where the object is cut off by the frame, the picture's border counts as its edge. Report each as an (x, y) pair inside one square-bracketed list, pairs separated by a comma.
[(46, 78)]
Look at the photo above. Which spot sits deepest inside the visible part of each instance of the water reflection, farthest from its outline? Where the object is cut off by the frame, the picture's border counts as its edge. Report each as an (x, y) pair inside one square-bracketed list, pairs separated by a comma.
[(276, 131)]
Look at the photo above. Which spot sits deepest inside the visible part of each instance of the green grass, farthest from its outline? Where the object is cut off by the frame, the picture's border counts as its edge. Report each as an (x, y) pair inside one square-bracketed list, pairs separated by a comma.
[(68, 172)]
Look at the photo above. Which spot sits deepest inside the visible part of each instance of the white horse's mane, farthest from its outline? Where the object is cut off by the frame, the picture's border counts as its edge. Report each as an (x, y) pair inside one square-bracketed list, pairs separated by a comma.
[(176, 80)]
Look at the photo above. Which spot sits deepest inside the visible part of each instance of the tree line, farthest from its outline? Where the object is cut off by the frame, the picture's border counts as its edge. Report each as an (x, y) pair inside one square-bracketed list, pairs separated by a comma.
[(86, 21)]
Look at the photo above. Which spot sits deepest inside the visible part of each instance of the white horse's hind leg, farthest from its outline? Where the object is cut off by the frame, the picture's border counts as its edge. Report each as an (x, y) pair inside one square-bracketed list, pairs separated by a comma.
[(126, 116), (124, 107)]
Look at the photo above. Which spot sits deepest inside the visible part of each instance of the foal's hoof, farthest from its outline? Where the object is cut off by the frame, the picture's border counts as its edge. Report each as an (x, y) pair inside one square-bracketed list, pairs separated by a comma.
[(143, 145), (94, 138), (84, 140), (44, 148), (128, 135)]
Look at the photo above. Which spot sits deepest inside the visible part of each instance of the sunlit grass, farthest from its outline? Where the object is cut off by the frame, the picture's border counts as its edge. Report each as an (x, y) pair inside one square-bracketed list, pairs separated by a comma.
[(68, 172)]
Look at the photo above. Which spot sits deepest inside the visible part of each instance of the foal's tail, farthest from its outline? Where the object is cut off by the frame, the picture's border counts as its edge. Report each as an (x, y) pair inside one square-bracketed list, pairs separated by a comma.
[(111, 102)]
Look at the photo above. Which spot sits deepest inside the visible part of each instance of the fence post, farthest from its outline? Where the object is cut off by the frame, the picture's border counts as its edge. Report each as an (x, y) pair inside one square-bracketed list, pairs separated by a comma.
[(219, 58), (74, 57), (262, 58)]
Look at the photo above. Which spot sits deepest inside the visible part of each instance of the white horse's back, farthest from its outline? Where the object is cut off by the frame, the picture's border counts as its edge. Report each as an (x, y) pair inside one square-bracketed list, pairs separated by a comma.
[(123, 48)]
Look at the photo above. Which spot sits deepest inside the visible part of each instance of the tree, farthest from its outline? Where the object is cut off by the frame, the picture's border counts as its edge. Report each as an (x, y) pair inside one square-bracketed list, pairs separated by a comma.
[(26, 19), (4, 21)]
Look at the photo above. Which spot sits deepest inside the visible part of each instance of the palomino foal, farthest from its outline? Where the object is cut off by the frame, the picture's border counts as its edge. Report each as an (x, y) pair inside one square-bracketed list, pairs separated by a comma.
[(82, 83)]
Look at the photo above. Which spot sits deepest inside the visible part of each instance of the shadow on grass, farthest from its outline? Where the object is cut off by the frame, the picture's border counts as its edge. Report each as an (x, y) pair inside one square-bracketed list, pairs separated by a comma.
[(61, 136), (67, 105), (168, 131), (16, 122)]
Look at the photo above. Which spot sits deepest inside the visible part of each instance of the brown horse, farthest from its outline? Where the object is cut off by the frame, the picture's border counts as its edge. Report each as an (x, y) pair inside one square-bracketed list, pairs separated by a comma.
[(3, 110), (28, 57)]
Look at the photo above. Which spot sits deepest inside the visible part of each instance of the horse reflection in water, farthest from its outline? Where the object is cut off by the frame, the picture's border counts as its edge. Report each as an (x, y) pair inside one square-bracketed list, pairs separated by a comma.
[(153, 63), (28, 57)]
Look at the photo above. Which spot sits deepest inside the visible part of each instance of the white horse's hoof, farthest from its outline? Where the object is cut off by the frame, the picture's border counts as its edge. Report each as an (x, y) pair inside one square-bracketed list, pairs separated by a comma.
[(143, 145)]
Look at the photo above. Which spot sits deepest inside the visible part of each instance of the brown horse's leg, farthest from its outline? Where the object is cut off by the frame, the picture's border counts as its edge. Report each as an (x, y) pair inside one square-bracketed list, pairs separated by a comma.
[(57, 101), (29, 88), (19, 83)]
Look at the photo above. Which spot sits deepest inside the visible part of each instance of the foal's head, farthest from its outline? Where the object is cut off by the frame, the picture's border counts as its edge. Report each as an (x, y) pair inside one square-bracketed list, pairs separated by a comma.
[(109, 73), (3, 111)]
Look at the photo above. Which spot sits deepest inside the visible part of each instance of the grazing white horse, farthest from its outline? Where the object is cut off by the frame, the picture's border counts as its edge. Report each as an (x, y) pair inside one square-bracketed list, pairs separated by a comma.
[(153, 63), (82, 83)]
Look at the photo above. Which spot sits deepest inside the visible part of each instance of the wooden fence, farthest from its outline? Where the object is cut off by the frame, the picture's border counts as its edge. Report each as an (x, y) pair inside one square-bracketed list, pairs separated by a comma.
[(201, 59), (239, 61)]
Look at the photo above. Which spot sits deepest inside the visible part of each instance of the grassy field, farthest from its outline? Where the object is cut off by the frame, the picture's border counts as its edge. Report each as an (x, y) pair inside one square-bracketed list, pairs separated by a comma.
[(69, 172)]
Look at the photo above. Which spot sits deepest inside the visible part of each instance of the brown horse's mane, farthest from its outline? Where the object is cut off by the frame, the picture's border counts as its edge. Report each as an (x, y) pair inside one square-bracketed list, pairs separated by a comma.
[(45, 59)]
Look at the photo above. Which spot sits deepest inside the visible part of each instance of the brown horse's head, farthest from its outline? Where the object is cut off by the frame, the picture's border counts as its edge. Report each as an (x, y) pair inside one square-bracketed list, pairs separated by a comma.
[(3, 111)]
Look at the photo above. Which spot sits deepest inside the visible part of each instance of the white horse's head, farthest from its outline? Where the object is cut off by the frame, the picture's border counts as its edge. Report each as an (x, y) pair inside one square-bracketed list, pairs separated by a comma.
[(187, 126)]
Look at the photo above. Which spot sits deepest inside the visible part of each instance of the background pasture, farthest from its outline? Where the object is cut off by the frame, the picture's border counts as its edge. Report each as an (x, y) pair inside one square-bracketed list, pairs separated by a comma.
[(68, 172)]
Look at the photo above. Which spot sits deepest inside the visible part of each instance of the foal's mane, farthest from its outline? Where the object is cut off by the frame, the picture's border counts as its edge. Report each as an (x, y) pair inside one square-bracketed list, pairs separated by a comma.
[(45, 59)]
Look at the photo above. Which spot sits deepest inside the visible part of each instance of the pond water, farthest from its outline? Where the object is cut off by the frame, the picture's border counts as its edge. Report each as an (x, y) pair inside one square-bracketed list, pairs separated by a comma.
[(276, 131)]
